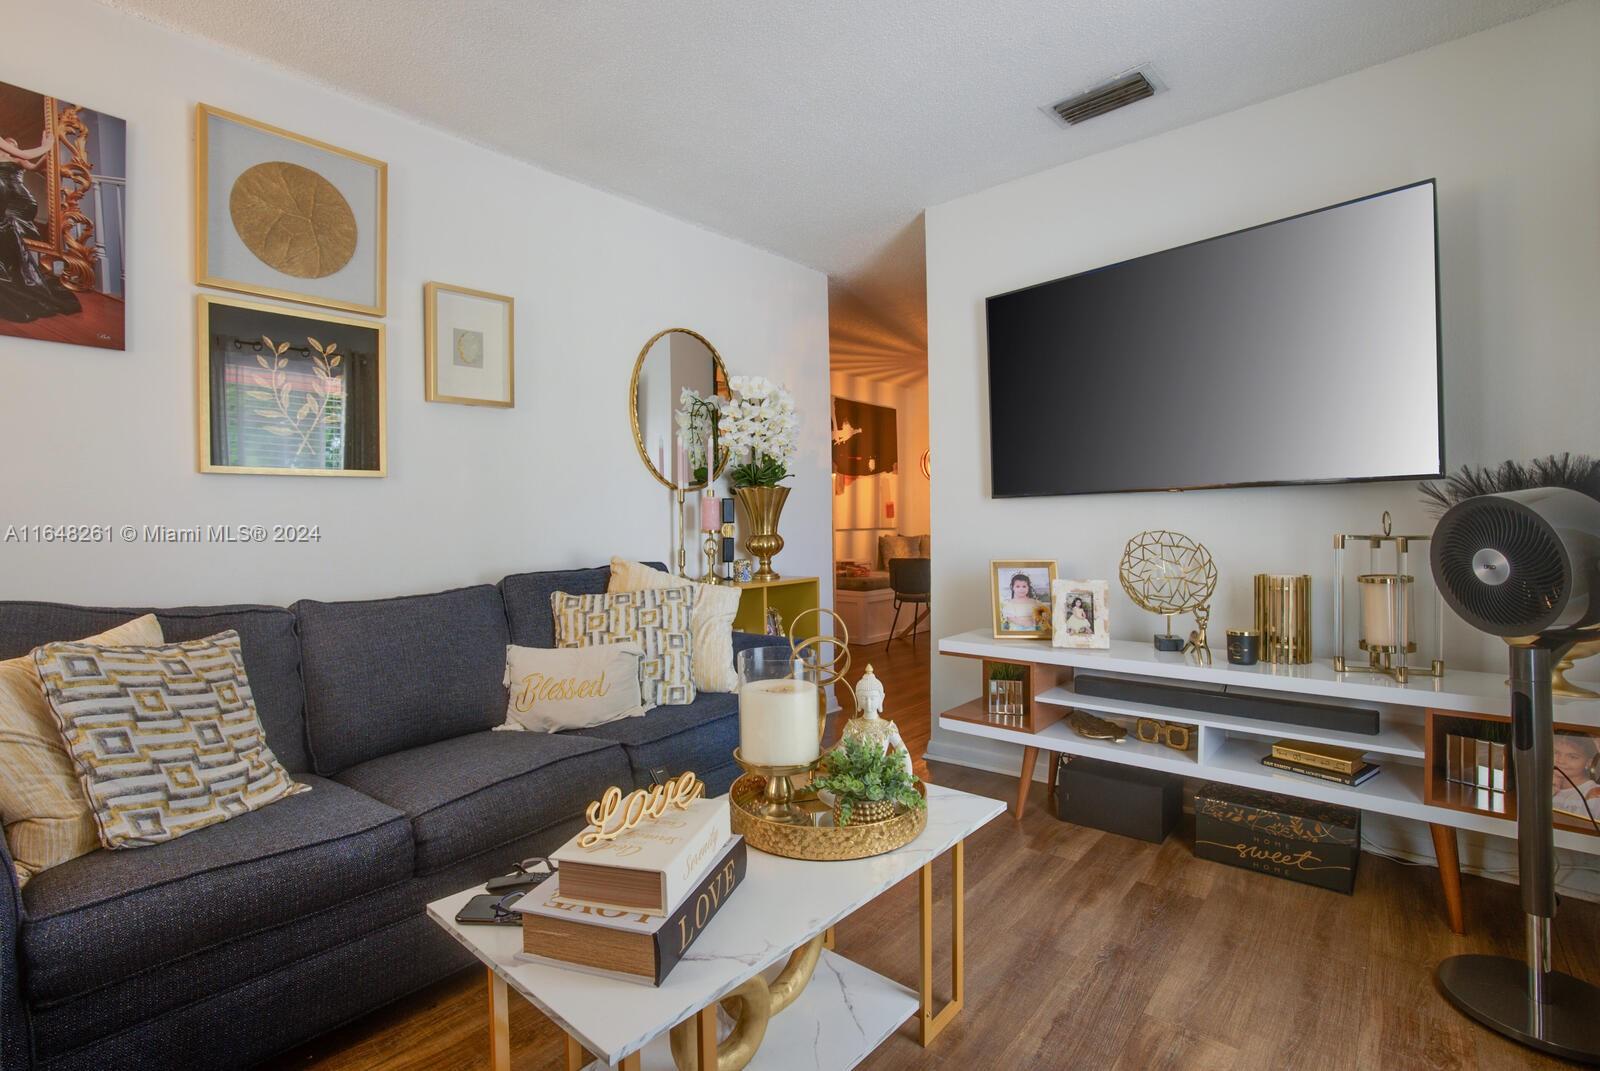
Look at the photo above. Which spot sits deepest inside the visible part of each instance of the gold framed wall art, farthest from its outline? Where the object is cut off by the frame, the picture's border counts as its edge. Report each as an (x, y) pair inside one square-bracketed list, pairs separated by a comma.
[(288, 392), (284, 216), (468, 352), (1020, 590), (63, 199)]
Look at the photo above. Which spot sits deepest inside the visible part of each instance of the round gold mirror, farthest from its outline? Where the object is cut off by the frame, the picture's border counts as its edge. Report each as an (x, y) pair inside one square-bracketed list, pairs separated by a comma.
[(672, 360)]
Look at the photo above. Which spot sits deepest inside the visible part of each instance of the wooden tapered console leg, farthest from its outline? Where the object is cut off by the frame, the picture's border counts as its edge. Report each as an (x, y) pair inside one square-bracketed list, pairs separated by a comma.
[(935, 1021), (1030, 757), (1444, 847), (499, 1024), (577, 1058)]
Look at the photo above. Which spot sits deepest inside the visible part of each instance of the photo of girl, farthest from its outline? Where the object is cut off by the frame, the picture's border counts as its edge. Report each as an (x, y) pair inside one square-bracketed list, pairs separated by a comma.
[(1574, 779), (1079, 614), (1021, 592)]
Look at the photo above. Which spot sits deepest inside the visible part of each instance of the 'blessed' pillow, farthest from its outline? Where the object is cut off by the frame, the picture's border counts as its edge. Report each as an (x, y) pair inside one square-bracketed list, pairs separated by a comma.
[(573, 687)]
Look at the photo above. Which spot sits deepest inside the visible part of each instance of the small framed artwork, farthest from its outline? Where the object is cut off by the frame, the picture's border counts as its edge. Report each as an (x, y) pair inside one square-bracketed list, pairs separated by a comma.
[(1080, 615), (467, 346), (1021, 594), (63, 239), (284, 216), (1575, 780), (285, 392)]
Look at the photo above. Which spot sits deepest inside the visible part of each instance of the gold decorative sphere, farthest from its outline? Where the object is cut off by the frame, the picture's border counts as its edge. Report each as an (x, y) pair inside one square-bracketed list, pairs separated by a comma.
[(1167, 572)]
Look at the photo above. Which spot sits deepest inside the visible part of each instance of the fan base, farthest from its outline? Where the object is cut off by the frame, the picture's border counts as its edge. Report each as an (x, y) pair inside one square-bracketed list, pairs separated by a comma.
[(1494, 991)]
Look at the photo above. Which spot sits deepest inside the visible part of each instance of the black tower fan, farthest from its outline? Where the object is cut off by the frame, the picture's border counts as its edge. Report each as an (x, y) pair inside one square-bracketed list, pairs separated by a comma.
[(1525, 565)]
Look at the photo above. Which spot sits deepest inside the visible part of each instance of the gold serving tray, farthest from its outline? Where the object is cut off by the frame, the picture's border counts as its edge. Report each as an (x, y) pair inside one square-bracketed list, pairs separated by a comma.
[(822, 841)]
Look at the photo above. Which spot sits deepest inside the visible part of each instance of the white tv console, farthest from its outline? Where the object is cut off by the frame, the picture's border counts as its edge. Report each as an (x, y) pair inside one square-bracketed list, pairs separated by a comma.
[(1229, 749)]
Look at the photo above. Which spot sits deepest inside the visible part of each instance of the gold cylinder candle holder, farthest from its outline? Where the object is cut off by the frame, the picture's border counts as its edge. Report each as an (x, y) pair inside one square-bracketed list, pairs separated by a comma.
[(1283, 617)]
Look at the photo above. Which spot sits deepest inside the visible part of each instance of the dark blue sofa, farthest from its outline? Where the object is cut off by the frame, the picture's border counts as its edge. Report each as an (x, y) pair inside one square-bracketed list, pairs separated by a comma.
[(238, 941)]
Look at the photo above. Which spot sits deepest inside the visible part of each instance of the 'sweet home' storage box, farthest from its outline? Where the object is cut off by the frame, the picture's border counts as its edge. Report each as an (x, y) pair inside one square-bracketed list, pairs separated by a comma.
[(1302, 840)]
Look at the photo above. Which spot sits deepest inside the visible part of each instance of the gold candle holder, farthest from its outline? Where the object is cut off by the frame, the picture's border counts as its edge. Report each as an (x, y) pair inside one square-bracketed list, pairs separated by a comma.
[(778, 798), (1283, 617)]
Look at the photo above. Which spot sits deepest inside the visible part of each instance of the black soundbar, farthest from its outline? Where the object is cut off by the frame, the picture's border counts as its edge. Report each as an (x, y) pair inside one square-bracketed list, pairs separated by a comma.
[(1362, 720)]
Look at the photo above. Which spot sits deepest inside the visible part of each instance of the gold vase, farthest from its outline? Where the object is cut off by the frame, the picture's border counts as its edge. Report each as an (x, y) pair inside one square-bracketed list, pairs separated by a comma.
[(762, 507)]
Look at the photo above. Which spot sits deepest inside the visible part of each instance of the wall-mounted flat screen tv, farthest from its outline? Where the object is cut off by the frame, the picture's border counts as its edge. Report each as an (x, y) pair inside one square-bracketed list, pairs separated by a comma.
[(1301, 351)]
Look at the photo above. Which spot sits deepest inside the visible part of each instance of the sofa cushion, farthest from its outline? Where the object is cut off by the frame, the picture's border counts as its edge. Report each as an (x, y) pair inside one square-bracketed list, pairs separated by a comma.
[(383, 675), (106, 915), (476, 794), (266, 633), (698, 736), (527, 600)]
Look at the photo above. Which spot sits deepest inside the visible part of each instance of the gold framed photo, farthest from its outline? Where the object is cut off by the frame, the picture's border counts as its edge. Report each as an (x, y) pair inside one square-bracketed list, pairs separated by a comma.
[(284, 216), (468, 352), (289, 392), (1080, 614), (1020, 590)]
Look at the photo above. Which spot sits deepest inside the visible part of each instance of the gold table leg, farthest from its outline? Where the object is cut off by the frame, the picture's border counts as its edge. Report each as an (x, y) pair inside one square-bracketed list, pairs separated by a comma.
[(829, 938), (706, 1037), (499, 1024), (934, 1022)]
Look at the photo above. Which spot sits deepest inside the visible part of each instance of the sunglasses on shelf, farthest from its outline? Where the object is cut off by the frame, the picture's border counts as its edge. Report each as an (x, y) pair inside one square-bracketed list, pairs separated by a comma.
[(1173, 734)]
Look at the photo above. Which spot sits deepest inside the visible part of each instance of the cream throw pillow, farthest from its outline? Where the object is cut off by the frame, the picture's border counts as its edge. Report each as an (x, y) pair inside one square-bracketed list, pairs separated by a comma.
[(656, 620), (164, 737), (711, 623), (47, 818), (573, 687)]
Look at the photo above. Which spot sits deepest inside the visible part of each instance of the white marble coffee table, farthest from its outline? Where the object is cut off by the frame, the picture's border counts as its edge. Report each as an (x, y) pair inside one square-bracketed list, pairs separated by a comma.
[(783, 904)]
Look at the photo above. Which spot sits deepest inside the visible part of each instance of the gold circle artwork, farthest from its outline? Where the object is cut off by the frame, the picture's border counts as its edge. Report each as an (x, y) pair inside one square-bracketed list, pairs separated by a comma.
[(294, 220), (1167, 572)]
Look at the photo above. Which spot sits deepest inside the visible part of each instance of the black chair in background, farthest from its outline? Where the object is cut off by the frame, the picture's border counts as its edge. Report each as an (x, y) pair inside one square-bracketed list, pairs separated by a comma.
[(912, 581)]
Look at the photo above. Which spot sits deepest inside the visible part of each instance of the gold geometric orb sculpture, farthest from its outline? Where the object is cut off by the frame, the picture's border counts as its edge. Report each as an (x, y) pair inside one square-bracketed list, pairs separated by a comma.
[(1168, 573)]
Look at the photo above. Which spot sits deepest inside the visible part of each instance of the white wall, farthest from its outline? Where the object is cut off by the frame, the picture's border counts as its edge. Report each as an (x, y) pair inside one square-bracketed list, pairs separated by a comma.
[(95, 436), (1508, 121)]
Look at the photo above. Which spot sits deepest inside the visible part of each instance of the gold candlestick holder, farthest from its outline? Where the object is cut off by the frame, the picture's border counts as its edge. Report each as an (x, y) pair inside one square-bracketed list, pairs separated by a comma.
[(713, 559), (778, 800)]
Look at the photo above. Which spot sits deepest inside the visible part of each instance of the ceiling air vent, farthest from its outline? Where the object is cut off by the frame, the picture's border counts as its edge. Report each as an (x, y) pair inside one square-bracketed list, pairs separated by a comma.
[(1106, 98)]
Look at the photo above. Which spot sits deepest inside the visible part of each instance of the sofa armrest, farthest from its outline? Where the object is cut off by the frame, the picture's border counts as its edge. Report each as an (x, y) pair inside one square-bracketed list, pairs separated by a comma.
[(15, 1045)]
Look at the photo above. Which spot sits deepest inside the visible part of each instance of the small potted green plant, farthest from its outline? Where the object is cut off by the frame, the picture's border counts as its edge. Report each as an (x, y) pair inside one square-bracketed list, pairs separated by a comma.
[(868, 785)]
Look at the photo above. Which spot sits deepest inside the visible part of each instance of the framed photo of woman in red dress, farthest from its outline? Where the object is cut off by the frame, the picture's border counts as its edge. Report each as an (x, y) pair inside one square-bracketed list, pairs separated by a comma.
[(63, 185)]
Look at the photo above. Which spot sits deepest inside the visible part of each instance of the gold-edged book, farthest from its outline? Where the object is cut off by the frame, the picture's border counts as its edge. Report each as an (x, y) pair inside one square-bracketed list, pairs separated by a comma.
[(1343, 760), (648, 868)]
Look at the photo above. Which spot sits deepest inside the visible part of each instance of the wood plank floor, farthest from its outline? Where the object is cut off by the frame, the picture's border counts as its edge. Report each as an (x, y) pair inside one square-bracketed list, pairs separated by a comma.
[(1090, 950)]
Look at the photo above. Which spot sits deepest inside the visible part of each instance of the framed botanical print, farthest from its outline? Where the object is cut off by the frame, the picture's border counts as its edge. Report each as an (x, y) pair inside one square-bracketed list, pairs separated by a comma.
[(467, 346), (63, 239), (1021, 594), (287, 392), (284, 216), (1080, 615)]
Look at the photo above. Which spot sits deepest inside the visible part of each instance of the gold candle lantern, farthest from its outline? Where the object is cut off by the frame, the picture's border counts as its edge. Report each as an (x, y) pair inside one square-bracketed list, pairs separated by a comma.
[(1388, 621), (1283, 617)]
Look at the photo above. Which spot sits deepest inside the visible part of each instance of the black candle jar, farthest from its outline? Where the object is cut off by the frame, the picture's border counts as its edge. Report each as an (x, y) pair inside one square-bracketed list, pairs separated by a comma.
[(1244, 646)]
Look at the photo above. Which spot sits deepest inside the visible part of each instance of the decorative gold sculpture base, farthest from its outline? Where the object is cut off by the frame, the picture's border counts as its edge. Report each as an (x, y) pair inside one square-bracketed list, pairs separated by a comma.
[(751, 1006), (818, 839)]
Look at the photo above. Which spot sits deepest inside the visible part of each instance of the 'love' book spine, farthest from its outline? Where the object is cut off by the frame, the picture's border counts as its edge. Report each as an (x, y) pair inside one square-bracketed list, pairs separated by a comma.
[(685, 924)]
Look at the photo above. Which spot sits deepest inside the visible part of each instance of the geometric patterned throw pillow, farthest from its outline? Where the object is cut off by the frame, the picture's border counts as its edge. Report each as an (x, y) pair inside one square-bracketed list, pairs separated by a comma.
[(165, 739), (656, 620)]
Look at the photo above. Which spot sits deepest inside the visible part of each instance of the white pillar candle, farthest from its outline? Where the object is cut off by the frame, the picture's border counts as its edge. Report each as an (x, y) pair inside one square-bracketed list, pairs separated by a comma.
[(1379, 623), (778, 722)]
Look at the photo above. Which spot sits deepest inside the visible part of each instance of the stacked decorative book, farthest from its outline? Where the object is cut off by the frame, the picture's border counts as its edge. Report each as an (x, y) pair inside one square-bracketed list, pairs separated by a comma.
[(1341, 765), (630, 906)]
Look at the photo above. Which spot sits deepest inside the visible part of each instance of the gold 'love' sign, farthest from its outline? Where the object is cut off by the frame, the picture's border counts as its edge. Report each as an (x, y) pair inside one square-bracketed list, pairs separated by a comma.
[(611, 815)]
